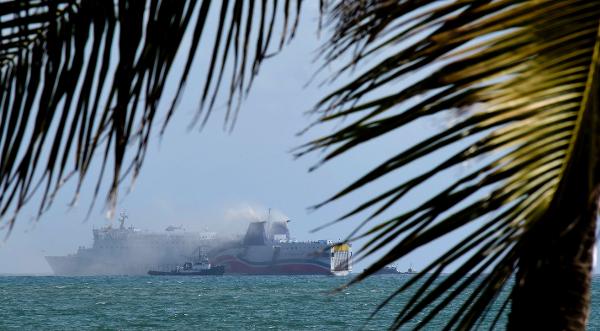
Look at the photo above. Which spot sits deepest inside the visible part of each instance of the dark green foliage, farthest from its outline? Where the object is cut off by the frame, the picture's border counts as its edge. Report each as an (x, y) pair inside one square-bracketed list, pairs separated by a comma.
[(82, 78), (522, 73)]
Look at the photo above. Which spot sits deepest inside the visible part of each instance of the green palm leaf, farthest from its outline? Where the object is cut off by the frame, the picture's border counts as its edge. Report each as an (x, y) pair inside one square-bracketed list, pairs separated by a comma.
[(525, 75), (82, 78)]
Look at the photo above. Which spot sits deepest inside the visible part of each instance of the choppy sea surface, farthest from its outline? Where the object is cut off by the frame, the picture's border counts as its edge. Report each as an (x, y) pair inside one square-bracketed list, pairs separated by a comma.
[(209, 303)]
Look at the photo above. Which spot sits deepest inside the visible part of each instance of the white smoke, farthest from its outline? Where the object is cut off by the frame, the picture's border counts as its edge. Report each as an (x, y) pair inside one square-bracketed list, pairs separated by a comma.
[(252, 213), (242, 213), (236, 218)]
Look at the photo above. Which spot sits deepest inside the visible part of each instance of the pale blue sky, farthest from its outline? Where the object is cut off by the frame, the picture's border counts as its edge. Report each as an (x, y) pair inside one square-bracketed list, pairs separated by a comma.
[(202, 178)]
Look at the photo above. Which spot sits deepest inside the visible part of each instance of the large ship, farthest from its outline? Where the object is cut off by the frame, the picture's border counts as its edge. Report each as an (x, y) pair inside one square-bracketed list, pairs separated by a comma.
[(131, 251), (267, 249)]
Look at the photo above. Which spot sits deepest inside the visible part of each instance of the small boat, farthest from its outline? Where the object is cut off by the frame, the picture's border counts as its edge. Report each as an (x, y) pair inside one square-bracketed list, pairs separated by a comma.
[(411, 271), (393, 270), (200, 267), (388, 270)]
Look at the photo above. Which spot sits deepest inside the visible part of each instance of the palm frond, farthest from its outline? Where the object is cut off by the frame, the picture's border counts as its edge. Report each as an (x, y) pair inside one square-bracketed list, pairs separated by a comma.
[(82, 78), (523, 74)]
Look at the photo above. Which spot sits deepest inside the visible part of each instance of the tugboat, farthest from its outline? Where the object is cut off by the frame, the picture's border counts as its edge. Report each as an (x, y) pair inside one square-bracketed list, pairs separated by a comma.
[(200, 267)]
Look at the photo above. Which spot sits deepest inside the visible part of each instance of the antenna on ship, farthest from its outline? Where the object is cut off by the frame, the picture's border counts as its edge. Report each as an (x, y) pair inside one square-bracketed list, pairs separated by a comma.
[(122, 218), (269, 217)]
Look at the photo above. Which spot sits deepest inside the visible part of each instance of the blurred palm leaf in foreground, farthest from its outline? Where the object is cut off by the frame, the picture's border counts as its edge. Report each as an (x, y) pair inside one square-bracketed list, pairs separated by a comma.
[(80, 78), (523, 73)]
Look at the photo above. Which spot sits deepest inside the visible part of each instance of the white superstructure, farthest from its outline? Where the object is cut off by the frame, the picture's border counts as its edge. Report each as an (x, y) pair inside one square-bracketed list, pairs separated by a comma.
[(130, 251)]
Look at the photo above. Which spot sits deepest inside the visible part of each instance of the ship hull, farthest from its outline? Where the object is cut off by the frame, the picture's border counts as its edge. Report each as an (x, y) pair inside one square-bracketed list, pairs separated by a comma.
[(238, 265)]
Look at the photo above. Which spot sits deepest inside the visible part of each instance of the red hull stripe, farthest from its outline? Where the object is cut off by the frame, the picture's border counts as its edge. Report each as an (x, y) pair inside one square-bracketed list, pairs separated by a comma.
[(235, 265)]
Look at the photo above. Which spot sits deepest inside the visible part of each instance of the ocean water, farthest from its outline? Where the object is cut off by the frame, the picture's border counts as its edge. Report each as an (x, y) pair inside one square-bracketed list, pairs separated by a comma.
[(206, 303)]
